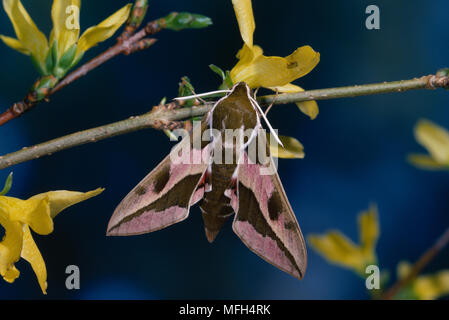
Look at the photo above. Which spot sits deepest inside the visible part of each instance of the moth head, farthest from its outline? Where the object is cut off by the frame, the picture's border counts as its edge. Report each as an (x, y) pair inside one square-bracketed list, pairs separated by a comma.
[(240, 90)]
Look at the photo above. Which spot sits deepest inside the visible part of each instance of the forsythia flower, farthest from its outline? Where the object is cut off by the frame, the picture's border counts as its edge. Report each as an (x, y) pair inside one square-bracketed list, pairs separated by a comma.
[(18, 216), (65, 48), (436, 140), (274, 73), (291, 149), (340, 250), (426, 287)]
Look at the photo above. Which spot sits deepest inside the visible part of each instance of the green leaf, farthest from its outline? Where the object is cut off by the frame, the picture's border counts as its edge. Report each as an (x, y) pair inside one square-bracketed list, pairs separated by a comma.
[(138, 13), (184, 20), (8, 184), (443, 72), (406, 293), (186, 89), (52, 58), (42, 87), (163, 101), (76, 60), (228, 80), (67, 59), (40, 68), (225, 76), (218, 71), (171, 135)]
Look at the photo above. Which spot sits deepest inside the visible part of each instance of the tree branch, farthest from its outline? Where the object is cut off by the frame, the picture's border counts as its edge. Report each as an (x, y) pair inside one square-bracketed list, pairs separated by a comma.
[(166, 117), (426, 82), (124, 45), (423, 261), (160, 118), (127, 43)]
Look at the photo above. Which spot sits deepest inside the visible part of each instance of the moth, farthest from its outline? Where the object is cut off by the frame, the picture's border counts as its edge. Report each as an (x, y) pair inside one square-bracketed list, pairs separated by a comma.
[(263, 217)]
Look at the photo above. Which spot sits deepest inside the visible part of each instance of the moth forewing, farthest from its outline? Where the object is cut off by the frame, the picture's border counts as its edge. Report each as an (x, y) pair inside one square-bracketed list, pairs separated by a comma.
[(163, 197)]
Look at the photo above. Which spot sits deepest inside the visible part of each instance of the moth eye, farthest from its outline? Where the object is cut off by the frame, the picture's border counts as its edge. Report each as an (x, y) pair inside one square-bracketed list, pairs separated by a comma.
[(140, 190), (274, 206), (161, 179)]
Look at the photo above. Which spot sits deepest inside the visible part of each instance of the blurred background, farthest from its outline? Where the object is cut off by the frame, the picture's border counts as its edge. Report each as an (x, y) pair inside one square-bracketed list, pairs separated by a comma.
[(355, 150)]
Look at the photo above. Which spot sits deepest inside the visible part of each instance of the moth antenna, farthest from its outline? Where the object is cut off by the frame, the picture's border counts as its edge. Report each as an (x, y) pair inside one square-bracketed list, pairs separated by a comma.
[(256, 105), (205, 94), (256, 91), (254, 134), (199, 98), (272, 104)]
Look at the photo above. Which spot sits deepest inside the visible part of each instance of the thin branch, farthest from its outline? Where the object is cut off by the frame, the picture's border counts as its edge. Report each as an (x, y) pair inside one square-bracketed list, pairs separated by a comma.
[(125, 46), (423, 261), (162, 117), (127, 43), (426, 82)]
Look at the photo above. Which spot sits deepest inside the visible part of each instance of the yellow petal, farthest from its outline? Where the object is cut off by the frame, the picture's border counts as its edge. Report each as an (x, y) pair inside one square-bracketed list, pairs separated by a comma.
[(431, 287), (245, 55), (10, 246), (94, 35), (293, 149), (443, 280), (66, 29), (288, 88), (276, 71), (403, 269), (33, 212), (338, 249), (369, 232), (31, 253), (26, 31), (435, 139), (425, 162), (443, 277), (426, 288), (14, 44), (245, 18), (309, 108), (11, 275), (60, 200)]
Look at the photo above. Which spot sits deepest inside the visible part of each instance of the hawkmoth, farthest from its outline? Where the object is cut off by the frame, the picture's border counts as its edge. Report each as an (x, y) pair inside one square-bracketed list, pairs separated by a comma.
[(264, 219)]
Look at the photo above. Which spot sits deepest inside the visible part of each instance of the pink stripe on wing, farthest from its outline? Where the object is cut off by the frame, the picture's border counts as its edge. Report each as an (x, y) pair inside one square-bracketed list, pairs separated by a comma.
[(150, 221), (266, 247)]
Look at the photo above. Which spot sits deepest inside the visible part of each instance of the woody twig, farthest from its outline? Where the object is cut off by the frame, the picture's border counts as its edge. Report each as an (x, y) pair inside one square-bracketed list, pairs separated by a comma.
[(416, 269), (170, 116), (128, 42)]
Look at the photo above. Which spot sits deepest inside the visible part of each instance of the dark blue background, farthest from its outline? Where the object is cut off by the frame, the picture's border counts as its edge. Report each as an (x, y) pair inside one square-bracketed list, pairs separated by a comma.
[(356, 149)]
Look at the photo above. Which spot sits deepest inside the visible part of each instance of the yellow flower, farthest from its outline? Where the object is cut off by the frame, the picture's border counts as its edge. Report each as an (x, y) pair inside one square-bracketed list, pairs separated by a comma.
[(436, 140), (426, 287), (18, 216), (339, 249), (291, 149), (274, 73), (66, 47)]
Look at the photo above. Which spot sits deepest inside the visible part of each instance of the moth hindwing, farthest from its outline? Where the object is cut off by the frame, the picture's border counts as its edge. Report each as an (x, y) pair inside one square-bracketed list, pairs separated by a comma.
[(202, 172)]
